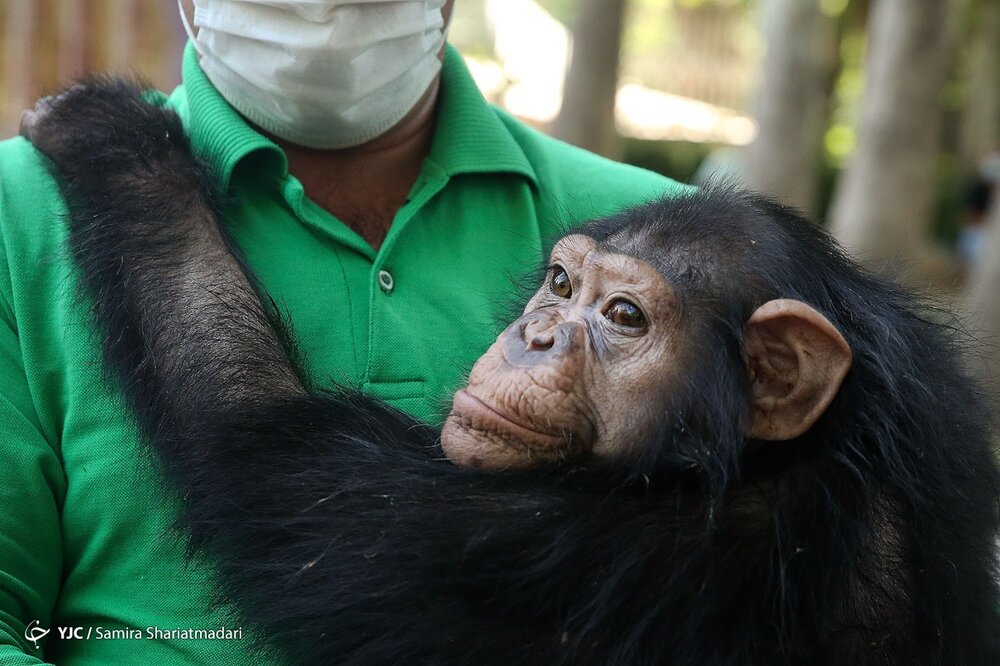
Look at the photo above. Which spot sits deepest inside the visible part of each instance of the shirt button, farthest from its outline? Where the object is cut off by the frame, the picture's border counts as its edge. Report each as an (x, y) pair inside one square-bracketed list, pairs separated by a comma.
[(385, 281)]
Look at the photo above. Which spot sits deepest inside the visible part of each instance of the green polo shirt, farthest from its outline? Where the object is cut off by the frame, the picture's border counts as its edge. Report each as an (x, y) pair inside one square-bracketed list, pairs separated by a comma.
[(85, 544)]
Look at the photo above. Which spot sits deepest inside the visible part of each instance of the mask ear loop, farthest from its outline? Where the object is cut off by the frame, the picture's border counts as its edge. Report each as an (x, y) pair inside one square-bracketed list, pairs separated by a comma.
[(188, 29)]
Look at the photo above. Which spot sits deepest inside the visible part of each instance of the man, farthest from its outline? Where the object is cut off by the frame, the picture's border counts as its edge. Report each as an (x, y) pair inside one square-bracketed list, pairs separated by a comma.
[(382, 203)]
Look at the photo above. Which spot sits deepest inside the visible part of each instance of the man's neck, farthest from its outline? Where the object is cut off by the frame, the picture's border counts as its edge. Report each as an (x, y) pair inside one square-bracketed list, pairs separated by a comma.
[(365, 185)]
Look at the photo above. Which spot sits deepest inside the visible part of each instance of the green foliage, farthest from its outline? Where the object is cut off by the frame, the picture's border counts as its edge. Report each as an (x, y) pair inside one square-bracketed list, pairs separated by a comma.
[(952, 187), (694, 4), (840, 137), (833, 8), (566, 10), (563, 10), (470, 29)]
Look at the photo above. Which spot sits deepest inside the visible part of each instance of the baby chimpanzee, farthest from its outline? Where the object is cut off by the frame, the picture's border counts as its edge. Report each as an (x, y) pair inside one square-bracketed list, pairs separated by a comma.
[(710, 439)]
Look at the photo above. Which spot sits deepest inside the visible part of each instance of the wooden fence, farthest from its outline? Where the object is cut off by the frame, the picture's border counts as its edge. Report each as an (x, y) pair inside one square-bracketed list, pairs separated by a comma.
[(46, 43)]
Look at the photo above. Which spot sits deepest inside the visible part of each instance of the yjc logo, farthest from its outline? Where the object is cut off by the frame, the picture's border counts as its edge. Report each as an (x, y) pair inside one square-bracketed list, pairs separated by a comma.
[(34, 633)]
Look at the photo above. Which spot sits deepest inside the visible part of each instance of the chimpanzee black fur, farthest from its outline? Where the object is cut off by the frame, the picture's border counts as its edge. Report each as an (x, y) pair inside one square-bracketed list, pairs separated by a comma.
[(341, 533)]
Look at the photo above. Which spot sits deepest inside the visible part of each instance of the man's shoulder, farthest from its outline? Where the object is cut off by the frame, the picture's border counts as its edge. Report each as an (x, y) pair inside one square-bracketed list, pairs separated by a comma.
[(31, 212), (585, 185), (16, 154), (30, 201), (23, 175)]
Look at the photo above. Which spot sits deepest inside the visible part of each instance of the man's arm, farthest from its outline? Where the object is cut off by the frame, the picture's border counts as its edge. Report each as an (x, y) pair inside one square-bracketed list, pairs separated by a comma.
[(32, 485)]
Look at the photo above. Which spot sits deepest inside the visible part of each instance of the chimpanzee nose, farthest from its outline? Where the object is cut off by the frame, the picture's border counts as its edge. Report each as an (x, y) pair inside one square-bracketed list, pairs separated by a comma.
[(539, 339)]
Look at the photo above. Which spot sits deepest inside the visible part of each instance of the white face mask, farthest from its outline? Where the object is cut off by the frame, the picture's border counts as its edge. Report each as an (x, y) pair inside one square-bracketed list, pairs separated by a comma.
[(320, 73)]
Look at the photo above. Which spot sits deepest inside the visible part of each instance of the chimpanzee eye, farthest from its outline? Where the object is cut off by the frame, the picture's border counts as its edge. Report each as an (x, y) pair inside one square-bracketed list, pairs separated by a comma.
[(627, 314), (560, 284)]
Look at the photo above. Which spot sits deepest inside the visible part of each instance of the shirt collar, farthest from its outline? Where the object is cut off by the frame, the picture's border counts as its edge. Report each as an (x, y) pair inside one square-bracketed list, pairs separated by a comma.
[(218, 134), (469, 137)]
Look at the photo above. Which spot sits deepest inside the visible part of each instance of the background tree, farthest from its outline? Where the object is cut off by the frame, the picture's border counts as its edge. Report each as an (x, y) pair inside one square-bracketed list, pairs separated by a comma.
[(980, 128), (883, 204), (983, 305), (792, 101), (587, 115), (981, 136)]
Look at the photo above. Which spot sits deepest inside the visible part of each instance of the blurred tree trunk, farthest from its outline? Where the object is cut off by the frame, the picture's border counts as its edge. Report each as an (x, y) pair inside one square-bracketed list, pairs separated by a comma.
[(72, 54), (983, 304), (980, 136), (20, 22), (885, 198), (587, 116), (120, 20), (981, 119), (793, 98)]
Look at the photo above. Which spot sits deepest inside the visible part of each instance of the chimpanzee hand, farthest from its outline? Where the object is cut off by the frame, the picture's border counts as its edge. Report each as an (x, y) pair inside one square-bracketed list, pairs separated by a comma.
[(104, 129)]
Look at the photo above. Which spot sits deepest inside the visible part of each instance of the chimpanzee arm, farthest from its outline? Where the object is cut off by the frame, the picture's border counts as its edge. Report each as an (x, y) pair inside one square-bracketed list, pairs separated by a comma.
[(334, 520), (144, 232)]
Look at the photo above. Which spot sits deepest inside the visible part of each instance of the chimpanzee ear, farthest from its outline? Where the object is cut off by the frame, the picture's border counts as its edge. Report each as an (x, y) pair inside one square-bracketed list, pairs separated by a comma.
[(797, 361)]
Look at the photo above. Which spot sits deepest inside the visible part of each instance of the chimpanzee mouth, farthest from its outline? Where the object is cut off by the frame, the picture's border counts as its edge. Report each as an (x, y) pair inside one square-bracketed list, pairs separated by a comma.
[(480, 416)]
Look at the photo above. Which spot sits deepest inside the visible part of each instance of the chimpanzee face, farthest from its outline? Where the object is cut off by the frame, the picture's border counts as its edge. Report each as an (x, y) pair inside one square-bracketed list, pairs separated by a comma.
[(579, 373), (592, 365)]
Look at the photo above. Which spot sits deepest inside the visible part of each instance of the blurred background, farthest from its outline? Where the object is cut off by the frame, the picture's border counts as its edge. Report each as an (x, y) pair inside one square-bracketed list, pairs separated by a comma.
[(880, 118)]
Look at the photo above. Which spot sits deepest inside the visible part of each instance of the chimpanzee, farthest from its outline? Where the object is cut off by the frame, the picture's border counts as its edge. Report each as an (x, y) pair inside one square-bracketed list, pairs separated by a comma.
[(710, 439)]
